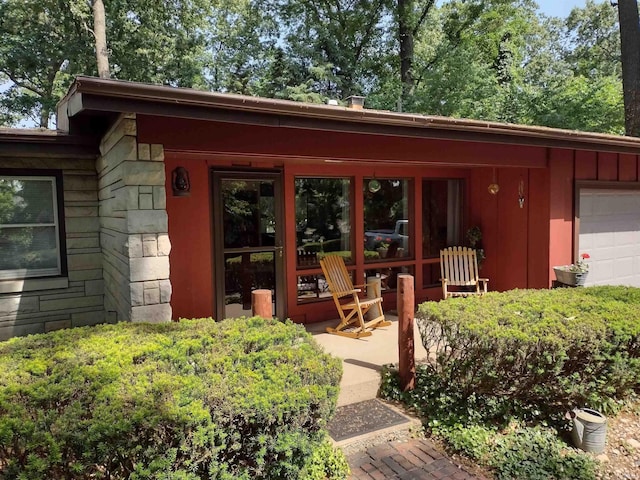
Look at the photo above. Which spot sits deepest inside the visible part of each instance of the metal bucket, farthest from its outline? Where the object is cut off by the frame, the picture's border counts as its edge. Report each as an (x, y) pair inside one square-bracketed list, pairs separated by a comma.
[(589, 429)]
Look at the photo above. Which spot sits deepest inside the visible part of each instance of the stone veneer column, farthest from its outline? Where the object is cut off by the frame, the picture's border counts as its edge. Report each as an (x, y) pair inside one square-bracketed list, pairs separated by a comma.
[(133, 226)]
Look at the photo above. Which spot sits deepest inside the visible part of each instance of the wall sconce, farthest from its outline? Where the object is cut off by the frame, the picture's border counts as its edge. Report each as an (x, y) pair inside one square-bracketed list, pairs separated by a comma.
[(493, 187), (180, 182), (521, 194)]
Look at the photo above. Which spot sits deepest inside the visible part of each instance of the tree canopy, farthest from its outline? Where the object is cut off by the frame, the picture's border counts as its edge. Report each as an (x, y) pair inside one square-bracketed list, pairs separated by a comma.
[(487, 59)]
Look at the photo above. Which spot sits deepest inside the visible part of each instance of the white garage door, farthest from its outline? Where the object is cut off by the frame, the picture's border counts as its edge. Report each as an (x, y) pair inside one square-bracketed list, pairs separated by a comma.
[(610, 234)]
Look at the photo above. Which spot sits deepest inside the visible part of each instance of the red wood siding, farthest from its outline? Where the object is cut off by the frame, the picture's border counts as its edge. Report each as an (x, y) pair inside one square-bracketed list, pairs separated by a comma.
[(191, 247), (521, 244)]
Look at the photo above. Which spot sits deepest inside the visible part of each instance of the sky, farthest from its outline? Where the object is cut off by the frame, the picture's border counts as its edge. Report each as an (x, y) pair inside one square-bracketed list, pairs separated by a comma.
[(560, 8)]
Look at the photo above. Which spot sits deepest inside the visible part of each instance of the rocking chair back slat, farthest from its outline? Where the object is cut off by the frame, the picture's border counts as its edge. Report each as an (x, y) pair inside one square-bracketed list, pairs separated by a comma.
[(459, 268)]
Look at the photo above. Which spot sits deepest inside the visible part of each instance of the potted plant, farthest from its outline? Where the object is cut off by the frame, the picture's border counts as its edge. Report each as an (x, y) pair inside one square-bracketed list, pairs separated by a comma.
[(574, 274)]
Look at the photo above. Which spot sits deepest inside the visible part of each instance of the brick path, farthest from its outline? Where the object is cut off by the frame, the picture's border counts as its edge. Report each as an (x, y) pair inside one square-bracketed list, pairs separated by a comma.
[(415, 459)]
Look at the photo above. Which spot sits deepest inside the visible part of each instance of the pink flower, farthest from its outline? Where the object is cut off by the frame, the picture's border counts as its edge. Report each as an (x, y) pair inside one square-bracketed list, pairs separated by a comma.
[(584, 256)]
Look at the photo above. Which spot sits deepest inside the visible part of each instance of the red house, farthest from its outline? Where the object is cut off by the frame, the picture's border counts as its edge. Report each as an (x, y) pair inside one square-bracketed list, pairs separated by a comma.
[(166, 202)]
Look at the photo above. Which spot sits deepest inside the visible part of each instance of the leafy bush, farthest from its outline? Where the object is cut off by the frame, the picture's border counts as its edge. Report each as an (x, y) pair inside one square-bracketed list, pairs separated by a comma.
[(538, 350), (245, 398)]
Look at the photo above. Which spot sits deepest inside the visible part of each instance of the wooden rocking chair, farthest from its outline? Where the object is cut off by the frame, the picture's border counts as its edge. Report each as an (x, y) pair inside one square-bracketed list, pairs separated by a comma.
[(351, 307), (459, 269)]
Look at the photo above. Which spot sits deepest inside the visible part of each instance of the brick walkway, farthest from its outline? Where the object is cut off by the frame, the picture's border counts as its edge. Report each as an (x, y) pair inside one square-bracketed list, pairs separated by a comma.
[(415, 459)]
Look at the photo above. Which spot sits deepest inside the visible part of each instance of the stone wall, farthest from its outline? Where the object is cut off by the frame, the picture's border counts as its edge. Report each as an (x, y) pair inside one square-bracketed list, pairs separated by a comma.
[(133, 226), (43, 304)]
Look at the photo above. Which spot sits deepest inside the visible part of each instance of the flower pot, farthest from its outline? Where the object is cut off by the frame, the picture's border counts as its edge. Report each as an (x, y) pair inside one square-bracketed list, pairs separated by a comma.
[(570, 278)]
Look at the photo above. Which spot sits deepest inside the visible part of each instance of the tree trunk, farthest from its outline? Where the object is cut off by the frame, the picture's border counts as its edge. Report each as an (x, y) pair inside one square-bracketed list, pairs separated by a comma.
[(100, 34), (405, 37), (630, 49)]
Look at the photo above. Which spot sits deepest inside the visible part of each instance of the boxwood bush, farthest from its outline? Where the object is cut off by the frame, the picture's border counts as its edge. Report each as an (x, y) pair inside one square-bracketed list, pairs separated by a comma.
[(246, 398), (541, 350)]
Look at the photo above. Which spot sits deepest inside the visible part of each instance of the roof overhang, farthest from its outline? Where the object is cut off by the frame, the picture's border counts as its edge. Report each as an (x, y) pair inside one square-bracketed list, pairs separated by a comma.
[(94, 102), (45, 143)]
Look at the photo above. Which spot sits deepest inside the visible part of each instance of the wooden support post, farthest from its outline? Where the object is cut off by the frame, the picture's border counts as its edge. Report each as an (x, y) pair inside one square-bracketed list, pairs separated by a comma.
[(261, 305), (406, 350)]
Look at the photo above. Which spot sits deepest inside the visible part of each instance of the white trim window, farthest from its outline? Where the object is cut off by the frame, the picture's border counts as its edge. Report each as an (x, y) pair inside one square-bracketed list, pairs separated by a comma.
[(29, 227)]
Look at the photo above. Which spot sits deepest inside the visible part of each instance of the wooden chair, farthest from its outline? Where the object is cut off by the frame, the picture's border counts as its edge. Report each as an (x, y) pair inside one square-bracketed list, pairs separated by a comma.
[(351, 307), (459, 269)]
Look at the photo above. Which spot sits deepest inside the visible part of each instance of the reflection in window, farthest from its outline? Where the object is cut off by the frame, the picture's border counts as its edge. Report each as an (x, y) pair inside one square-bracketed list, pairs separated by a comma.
[(249, 213), (29, 227), (386, 218), (441, 215), (323, 222), (388, 276)]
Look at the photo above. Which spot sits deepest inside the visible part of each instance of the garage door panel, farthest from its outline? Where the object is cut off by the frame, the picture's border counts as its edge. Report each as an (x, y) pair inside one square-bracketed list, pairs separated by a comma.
[(610, 234)]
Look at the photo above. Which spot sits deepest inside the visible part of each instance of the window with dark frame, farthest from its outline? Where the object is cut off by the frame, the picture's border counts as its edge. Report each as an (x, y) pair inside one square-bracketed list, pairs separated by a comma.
[(31, 243)]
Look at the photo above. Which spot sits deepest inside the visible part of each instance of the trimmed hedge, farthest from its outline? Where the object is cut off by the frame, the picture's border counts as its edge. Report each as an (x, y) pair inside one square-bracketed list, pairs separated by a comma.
[(246, 398), (539, 350)]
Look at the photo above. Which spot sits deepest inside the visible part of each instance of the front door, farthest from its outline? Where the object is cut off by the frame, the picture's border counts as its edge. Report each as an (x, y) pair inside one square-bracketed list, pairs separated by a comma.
[(248, 241)]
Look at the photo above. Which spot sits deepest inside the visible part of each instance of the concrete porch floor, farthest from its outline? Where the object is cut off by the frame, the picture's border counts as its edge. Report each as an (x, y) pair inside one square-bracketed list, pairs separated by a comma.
[(362, 358)]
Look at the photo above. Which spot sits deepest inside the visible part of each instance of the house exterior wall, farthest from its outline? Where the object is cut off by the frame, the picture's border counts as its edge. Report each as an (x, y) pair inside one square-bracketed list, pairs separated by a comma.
[(133, 226), (567, 167), (40, 305)]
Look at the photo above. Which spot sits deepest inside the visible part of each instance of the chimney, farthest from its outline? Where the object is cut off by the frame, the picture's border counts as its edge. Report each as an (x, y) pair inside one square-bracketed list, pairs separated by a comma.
[(356, 102)]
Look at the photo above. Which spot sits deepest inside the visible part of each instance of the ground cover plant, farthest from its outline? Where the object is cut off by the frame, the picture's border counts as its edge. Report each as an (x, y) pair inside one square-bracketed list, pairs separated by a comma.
[(245, 398), (509, 365)]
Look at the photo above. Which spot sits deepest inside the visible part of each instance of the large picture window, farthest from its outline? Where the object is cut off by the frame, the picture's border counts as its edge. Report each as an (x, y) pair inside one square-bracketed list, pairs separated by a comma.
[(323, 218), (386, 219), (29, 227), (441, 215)]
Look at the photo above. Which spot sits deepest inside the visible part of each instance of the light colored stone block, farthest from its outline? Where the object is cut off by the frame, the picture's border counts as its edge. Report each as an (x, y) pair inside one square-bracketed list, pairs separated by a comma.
[(126, 198), (71, 303), (159, 313), (125, 149), (82, 275), (33, 284), (157, 152), (80, 196), (121, 128), (147, 221), (137, 294), (84, 261), (159, 198), (145, 201), (146, 189), (80, 182), (152, 284), (83, 242), (133, 246), (149, 268), (10, 306), (164, 245), (143, 173), (20, 330), (57, 325), (94, 287), (82, 225), (150, 248), (81, 211), (144, 151), (165, 291), (151, 296), (83, 319)]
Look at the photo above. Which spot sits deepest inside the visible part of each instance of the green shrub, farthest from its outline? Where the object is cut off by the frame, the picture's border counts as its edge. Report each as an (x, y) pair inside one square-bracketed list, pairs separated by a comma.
[(541, 351), (245, 398)]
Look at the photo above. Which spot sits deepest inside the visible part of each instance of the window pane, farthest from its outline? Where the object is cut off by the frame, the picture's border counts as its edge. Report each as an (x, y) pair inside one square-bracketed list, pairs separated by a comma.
[(386, 218), (26, 201), (388, 276), (441, 215), (323, 222), (249, 213), (30, 248)]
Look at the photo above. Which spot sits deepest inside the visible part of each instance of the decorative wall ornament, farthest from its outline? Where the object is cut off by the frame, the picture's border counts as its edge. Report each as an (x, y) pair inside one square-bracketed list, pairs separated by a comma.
[(493, 187), (521, 194), (180, 182)]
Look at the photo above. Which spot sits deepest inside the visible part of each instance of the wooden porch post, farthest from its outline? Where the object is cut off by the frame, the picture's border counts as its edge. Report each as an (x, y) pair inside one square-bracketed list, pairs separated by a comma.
[(261, 305), (406, 350)]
